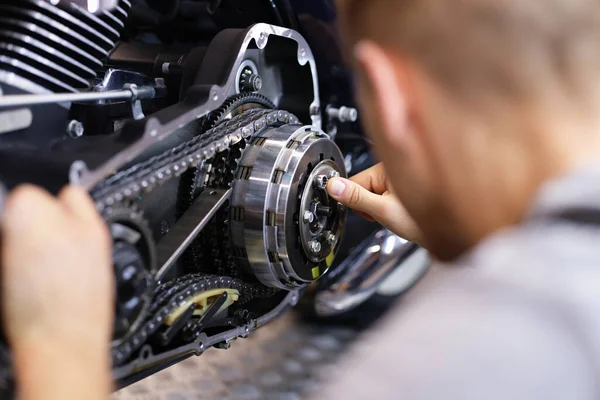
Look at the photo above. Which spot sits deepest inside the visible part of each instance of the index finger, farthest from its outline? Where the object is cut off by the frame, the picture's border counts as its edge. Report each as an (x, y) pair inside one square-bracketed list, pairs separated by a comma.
[(373, 179)]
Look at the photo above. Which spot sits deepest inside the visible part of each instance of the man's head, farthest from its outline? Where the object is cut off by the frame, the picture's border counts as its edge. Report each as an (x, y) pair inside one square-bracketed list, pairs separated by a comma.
[(472, 104)]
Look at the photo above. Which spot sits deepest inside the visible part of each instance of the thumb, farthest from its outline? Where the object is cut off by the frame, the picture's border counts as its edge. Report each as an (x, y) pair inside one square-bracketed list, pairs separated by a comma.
[(358, 198)]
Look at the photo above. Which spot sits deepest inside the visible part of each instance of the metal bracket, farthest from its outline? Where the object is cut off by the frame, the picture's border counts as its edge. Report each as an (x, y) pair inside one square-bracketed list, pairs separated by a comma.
[(136, 104)]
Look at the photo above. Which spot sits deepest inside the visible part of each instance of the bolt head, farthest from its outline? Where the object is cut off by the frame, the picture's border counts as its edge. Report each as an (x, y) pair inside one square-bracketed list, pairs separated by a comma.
[(314, 246), (75, 129), (308, 217), (321, 181), (331, 239), (257, 84), (333, 174)]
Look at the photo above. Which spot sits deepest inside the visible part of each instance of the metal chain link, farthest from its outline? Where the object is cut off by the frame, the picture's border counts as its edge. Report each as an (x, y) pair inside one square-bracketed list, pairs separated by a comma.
[(173, 295), (142, 178)]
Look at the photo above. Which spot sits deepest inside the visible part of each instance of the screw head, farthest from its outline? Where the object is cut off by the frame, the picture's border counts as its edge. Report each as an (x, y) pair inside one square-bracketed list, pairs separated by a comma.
[(308, 217), (75, 129), (321, 181), (333, 174), (314, 246), (331, 238)]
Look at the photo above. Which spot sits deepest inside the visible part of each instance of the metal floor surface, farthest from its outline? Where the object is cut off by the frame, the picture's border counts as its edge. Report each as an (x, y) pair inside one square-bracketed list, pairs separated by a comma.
[(284, 360)]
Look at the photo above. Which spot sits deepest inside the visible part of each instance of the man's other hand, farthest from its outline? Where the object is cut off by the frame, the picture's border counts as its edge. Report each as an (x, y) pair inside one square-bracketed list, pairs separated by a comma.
[(57, 293), (56, 258), (369, 195)]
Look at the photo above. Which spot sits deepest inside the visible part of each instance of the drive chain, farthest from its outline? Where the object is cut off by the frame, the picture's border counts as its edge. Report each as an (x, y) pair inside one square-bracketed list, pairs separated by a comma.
[(142, 178)]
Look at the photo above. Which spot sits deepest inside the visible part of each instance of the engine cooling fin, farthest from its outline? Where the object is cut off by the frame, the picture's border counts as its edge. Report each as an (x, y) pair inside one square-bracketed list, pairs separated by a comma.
[(46, 48)]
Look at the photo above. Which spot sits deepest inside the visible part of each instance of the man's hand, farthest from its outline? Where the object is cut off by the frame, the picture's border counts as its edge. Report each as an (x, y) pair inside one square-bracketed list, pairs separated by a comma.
[(369, 195), (57, 293)]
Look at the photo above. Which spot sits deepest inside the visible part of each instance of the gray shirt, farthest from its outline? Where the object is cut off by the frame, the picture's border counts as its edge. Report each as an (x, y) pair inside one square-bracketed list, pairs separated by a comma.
[(517, 318)]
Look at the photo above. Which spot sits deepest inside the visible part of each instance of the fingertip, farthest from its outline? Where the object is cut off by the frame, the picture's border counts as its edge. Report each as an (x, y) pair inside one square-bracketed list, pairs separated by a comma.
[(362, 50), (26, 197), (336, 187), (76, 200), (27, 204)]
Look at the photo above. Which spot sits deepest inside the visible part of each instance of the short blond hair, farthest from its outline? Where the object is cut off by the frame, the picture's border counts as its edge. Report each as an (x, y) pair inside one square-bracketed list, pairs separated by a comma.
[(515, 46)]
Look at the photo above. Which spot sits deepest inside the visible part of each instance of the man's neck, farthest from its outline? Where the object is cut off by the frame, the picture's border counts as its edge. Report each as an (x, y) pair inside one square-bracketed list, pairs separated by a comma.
[(521, 171)]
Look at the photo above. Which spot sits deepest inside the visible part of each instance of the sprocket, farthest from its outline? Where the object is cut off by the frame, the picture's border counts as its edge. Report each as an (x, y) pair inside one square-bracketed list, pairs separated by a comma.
[(193, 180), (134, 262), (214, 247)]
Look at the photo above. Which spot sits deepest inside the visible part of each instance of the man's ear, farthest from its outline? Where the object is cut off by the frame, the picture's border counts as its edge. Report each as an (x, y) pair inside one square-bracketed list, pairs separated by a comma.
[(380, 71)]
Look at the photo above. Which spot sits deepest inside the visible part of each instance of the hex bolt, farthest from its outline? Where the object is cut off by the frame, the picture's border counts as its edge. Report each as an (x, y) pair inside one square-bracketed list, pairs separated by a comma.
[(75, 129), (314, 246), (333, 174), (331, 238), (251, 83), (308, 217), (343, 114), (321, 181)]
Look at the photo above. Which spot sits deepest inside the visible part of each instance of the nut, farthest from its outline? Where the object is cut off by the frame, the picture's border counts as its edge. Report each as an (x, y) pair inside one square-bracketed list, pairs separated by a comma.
[(331, 239), (314, 246), (309, 217), (321, 181), (75, 129), (333, 174)]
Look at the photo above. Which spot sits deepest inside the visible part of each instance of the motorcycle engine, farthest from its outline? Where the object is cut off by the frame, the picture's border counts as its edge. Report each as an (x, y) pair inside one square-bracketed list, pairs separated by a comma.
[(201, 144)]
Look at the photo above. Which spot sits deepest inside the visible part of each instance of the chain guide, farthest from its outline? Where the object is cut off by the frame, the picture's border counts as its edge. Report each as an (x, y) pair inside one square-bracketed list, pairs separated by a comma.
[(134, 262)]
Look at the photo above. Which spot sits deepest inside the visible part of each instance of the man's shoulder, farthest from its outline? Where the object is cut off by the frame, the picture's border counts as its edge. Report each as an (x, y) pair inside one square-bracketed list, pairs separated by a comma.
[(462, 335), (505, 322)]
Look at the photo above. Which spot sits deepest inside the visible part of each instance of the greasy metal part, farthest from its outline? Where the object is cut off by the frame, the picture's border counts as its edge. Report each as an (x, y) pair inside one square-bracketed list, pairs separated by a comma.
[(179, 238), (364, 270), (266, 206), (92, 6), (155, 130)]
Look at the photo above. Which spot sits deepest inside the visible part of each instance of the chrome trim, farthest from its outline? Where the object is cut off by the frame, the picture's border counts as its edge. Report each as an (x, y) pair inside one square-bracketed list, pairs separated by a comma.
[(363, 271)]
